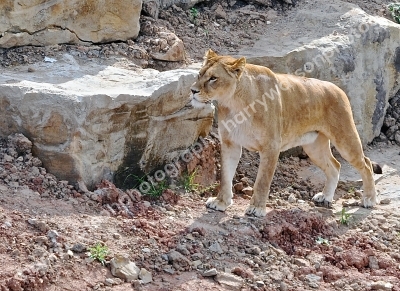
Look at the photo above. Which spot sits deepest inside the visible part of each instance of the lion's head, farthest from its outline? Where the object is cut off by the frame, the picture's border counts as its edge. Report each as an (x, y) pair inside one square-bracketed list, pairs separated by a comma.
[(217, 79)]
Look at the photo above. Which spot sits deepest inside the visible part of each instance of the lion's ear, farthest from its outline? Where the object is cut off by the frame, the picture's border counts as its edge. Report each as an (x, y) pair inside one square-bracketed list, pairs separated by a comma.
[(210, 54), (238, 66)]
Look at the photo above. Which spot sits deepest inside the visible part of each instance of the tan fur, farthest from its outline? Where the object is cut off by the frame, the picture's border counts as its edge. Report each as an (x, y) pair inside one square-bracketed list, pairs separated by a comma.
[(267, 112)]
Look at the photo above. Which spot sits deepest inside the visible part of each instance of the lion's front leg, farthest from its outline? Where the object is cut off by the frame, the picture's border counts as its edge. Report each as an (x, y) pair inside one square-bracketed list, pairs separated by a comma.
[(268, 162), (230, 155)]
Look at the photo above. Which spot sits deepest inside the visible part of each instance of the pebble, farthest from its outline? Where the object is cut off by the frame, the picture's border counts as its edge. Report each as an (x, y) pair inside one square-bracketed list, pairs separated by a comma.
[(216, 248), (385, 201), (41, 225), (292, 198), (260, 283), (145, 276), (373, 263), (248, 191), (283, 286), (116, 236), (381, 285), (197, 263), (109, 282), (79, 248), (210, 273), (230, 281), (301, 262)]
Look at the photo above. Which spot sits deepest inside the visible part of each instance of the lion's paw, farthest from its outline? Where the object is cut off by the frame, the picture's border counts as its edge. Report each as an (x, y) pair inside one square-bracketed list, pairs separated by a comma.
[(256, 211), (216, 204), (368, 202), (319, 198)]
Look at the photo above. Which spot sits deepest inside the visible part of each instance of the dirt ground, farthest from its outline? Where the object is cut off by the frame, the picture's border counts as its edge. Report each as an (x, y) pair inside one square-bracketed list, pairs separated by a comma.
[(47, 226)]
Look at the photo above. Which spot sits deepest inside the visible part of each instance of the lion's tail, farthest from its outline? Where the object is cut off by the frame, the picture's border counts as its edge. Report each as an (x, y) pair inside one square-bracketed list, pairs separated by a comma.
[(376, 168)]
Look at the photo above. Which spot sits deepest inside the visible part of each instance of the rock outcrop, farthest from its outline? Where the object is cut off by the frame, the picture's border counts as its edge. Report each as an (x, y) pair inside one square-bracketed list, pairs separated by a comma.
[(60, 21), (87, 121), (341, 44)]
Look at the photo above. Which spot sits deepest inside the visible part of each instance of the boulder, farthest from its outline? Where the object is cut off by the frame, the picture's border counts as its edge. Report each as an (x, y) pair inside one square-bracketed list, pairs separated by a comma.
[(340, 43), (48, 22), (90, 122)]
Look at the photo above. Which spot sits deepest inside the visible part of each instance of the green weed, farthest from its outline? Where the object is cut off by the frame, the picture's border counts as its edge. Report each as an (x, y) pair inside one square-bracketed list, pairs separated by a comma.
[(394, 8), (99, 252), (344, 217), (187, 182), (152, 189), (194, 14)]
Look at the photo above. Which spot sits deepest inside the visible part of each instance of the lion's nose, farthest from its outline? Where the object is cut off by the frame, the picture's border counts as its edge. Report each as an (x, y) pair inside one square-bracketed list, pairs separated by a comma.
[(194, 91)]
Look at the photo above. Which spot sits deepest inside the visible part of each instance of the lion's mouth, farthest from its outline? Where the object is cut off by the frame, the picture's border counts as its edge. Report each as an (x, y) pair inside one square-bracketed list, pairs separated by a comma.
[(194, 102)]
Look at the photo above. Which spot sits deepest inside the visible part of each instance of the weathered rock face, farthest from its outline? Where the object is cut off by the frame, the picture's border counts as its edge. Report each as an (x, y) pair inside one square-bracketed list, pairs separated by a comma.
[(88, 121), (50, 22), (342, 44)]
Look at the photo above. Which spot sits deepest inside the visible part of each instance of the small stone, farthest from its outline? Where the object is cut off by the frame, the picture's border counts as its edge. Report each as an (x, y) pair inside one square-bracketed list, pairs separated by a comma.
[(283, 286), (30, 69), (123, 268), (301, 262), (337, 249), (169, 270), (182, 249), (248, 191), (164, 257), (292, 198), (41, 225), (109, 282), (260, 283), (220, 13), (116, 236), (238, 186), (381, 285), (145, 276), (79, 248), (216, 248), (196, 263), (385, 201), (52, 234), (255, 250), (70, 253), (210, 273), (146, 250), (197, 256), (231, 281), (373, 263)]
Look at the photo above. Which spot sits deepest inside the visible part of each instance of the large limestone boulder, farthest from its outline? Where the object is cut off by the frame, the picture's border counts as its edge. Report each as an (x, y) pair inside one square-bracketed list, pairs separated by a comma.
[(88, 121), (338, 42), (38, 22)]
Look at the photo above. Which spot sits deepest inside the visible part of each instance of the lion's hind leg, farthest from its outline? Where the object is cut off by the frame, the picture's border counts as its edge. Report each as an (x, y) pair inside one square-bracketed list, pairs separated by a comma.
[(351, 150), (321, 155)]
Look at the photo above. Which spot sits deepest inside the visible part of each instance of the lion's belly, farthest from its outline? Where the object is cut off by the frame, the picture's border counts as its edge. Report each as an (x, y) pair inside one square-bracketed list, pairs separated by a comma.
[(306, 138)]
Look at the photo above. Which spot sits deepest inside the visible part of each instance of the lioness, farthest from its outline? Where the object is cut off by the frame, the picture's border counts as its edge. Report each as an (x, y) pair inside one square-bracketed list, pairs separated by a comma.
[(269, 113)]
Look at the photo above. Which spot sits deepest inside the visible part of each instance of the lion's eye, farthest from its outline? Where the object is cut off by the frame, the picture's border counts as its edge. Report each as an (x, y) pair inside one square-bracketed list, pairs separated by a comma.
[(213, 78)]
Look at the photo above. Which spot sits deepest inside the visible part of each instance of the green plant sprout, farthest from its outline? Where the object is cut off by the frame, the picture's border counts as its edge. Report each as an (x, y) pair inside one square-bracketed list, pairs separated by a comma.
[(187, 182), (394, 8), (99, 252), (344, 217), (154, 190), (194, 13)]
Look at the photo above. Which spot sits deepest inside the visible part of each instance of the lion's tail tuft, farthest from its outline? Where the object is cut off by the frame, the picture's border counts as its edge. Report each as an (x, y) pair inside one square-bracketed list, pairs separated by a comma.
[(376, 168)]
